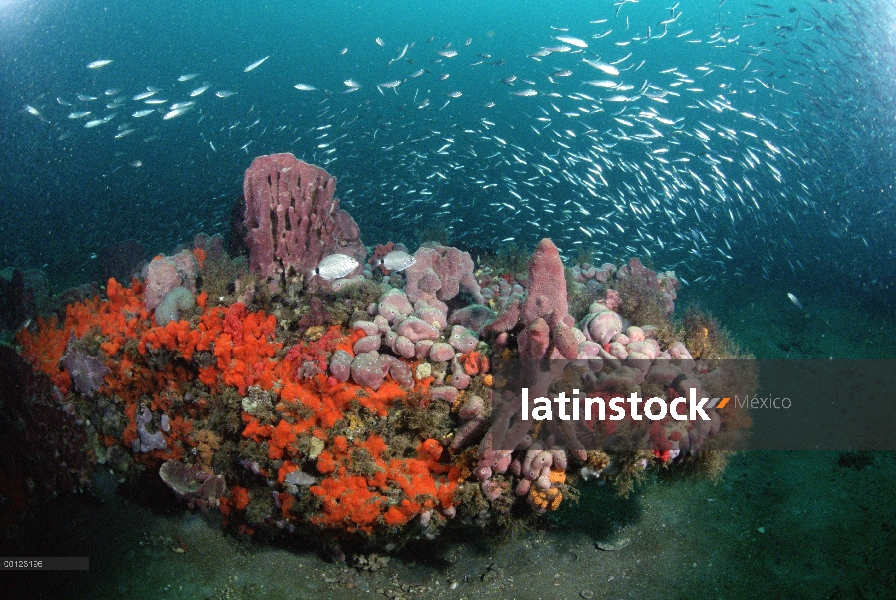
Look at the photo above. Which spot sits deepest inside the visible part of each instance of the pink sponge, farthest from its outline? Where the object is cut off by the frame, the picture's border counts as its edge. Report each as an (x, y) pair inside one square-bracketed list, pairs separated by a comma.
[(439, 274)]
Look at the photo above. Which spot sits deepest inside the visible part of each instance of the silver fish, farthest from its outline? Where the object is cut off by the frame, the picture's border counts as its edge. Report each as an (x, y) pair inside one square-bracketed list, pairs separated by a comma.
[(97, 64), (572, 41), (335, 266), (175, 112), (398, 260), (256, 64), (187, 77), (304, 87), (795, 300), (608, 69), (199, 91)]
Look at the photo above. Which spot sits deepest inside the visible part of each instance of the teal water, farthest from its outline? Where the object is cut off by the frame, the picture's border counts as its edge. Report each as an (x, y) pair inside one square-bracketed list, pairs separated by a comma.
[(742, 142), (748, 146)]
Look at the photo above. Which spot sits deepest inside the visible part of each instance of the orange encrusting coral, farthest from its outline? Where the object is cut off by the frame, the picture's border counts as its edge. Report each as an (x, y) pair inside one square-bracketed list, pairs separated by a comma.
[(233, 347), (356, 503)]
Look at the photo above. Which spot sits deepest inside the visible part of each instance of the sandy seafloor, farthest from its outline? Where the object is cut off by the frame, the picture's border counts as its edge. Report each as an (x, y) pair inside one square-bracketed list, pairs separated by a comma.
[(815, 525)]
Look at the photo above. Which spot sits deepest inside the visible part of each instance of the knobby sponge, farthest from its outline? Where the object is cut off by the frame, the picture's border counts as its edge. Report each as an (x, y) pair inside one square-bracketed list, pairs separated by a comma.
[(177, 300)]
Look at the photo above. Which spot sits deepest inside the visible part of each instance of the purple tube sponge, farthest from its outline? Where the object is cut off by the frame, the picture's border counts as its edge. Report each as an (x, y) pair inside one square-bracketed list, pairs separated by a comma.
[(293, 218)]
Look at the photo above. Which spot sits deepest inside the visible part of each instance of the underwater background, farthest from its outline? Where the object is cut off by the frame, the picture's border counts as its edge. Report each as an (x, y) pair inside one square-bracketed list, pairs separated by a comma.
[(750, 147)]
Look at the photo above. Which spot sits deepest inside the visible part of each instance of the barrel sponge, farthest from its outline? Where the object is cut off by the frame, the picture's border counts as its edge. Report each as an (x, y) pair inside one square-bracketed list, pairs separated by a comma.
[(178, 299)]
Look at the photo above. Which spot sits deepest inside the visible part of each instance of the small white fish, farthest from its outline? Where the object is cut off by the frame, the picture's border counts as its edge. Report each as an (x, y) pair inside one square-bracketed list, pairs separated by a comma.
[(32, 111), (608, 69), (98, 64), (86, 98), (447, 53), (94, 123), (143, 113), (136, 164), (200, 90), (178, 105), (256, 64), (335, 266), (572, 41), (187, 77), (400, 54), (398, 260), (224, 93), (124, 132), (171, 114), (155, 101), (145, 95), (304, 87), (795, 300), (79, 114), (379, 42), (351, 83), (525, 93), (602, 84)]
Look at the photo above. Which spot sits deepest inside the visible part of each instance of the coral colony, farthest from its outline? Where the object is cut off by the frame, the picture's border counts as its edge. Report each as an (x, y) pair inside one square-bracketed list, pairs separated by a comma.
[(369, 406)]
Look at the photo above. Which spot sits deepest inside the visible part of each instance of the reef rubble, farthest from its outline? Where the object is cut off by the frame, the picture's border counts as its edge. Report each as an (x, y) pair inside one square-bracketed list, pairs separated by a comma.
[(378, 407)]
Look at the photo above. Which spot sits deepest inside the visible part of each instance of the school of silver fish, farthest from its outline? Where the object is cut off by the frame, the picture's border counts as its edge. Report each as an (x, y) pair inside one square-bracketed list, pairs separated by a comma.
[(662, 138)]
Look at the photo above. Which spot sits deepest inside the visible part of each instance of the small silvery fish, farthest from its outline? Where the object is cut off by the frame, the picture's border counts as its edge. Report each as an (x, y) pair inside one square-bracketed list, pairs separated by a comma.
[(572, 41), (335, 266), (795, 301), (255, 65), (604, 67), (398, 260), (176, 112), (97, 64)]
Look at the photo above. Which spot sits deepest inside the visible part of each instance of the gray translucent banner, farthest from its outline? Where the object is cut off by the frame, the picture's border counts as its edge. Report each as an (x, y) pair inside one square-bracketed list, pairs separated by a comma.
[(725, 404)]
